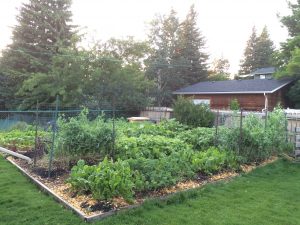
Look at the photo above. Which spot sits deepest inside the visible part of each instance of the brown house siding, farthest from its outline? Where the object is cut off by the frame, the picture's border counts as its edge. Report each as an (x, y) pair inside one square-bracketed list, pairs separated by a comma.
[(255, 102)]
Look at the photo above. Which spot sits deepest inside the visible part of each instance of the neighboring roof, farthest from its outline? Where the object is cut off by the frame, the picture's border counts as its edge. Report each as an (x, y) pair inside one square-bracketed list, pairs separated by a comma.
[(235, 87), (266, 70)]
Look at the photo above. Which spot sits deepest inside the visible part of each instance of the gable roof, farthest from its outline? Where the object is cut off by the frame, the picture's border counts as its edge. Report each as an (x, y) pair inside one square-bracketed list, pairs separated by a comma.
[(266, 70), (235, 87)]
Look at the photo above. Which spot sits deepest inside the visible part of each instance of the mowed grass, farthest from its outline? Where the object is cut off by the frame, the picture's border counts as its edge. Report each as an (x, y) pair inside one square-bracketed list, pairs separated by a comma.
[(269, 195)]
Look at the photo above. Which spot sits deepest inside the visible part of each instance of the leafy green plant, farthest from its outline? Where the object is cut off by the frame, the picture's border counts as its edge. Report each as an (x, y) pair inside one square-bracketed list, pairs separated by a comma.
[(79, 136), (148, 146), (193, 115), (106, 180), (213, 160), (200, 138)]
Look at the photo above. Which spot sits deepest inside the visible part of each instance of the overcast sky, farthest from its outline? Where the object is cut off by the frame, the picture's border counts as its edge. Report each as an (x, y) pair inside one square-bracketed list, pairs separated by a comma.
[(226, 24)]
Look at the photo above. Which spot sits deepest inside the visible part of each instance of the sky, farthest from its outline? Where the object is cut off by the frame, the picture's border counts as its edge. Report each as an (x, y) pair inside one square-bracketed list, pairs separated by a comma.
[(225, 24)]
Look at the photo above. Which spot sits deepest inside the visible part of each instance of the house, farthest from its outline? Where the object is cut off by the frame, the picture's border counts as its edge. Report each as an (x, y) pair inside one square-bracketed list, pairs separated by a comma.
[(252, 95), (261, 73)]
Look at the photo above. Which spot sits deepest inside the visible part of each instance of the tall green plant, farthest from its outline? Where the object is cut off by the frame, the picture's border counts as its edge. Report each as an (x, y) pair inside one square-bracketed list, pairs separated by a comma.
[(193, 115)]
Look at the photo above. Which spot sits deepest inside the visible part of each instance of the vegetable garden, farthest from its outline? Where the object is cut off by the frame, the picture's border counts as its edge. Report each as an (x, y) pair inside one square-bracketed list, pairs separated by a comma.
[(108, 159)]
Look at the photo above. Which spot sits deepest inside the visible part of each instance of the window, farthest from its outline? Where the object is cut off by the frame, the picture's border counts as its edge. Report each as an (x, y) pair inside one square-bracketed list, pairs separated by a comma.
[(201, 101), (262, 76)]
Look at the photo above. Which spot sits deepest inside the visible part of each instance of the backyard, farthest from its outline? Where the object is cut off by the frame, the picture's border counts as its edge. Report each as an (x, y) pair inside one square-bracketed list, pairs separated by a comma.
[(268, 195)]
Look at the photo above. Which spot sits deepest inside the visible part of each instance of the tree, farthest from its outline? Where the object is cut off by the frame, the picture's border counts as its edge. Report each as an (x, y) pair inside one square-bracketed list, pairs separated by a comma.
[(178, 58), (163, 38), (91, 78), (219, 70), (288, 58), (248, 63), (258, 53), (191, 54), (264, 50), (43, 29)]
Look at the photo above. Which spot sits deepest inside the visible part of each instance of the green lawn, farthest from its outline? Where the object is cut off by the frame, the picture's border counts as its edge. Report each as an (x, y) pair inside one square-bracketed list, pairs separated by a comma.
[(269, 195)]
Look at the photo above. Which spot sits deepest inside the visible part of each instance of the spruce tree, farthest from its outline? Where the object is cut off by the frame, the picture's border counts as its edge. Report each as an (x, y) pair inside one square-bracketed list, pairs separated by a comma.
[(249, 61), (264, 49), (43, 29), (190, 54)]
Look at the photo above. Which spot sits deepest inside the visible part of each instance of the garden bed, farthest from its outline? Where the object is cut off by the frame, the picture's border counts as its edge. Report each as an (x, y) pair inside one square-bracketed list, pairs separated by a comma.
[(89, 209)]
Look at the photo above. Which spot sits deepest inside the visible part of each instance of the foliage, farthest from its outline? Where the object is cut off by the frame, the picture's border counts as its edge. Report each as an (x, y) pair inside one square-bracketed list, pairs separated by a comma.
[(234, 104), (164, 171), (105, 181), (43, 28), (17, 139), (177, 58), (258, 52), (213, 160), (79, 136), (258, 140), (148, 146), (192, 115), (167, 128), (200, 138), (294, 95)]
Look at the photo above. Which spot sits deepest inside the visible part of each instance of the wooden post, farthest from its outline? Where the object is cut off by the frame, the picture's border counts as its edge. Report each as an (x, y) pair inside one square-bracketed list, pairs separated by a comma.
[(217, 126)]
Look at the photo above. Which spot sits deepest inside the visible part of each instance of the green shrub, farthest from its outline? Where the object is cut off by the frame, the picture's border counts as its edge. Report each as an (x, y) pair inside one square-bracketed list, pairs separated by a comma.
[(193, 115), (234, 104), (105, 181), (79, 136), (200, 138)]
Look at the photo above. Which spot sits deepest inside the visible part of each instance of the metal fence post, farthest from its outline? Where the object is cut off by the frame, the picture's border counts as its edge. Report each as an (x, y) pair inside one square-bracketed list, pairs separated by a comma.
[(53, 136), (241, 132), (36, 132), (217, 126)]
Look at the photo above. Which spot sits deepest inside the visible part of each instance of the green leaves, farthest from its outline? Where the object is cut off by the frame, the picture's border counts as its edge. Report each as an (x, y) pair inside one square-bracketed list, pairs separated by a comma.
[(186, 112), (106, 180)]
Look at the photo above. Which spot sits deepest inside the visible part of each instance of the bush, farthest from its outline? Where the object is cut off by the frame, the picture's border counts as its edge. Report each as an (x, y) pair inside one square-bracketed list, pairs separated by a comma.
[(79, 136), (105, 181), (193, 115), (234, 104)]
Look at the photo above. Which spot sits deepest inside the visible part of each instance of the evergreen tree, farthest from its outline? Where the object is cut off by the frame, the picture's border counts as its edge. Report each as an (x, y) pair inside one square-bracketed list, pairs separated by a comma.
[(178, 58), (43, 29), (264, 50), (258, 53), (191, 54), (249, 61)]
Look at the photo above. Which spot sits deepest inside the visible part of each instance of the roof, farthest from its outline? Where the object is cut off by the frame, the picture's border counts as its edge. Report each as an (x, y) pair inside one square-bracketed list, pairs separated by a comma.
[(235, 87), (266, 70)]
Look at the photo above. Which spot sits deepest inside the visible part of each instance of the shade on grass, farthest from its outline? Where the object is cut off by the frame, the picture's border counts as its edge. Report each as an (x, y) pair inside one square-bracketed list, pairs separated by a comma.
[(269, 195)]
